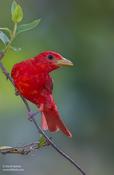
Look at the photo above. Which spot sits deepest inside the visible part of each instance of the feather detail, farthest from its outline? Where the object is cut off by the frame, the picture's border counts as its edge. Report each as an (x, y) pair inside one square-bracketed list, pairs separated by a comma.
[(52, 121)]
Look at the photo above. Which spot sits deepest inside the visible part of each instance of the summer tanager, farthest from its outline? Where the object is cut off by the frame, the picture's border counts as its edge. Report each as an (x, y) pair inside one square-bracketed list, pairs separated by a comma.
[(31, 78)]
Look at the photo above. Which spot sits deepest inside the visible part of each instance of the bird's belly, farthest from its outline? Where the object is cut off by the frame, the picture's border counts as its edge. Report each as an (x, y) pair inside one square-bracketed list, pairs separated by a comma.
[(29, 88)]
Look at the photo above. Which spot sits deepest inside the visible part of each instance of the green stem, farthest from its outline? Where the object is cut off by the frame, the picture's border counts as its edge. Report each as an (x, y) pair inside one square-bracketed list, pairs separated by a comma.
[(14, 31), (11, 38)]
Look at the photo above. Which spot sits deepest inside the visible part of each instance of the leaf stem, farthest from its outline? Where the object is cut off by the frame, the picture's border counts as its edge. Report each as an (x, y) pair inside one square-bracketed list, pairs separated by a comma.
[(12, 37), (14, 31)]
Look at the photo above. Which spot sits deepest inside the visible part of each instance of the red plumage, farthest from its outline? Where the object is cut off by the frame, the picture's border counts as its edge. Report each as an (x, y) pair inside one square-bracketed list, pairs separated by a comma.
[(31, 78)]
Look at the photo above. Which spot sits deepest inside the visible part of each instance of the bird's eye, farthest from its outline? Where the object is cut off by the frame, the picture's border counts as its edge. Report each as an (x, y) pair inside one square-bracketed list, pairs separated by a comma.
[(50, 57)]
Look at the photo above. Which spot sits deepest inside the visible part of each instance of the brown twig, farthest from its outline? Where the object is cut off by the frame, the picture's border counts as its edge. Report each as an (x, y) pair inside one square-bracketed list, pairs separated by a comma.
[(26, 149), (49, 141)]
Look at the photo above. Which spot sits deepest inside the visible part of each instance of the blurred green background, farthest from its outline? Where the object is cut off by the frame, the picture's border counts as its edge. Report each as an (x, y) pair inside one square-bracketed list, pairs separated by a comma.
[(82, 31)]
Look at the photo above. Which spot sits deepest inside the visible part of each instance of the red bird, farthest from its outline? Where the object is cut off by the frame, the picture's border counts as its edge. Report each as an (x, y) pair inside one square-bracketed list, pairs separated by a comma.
[(31, 78)]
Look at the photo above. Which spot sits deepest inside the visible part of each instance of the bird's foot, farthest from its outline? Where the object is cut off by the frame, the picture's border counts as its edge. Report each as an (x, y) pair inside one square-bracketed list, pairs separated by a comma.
[(31, 115), (17, 92)]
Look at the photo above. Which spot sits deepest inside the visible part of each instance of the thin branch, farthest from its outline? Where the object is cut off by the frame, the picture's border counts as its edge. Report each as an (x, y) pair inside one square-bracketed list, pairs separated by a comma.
[(26, 149), (31, 114), (61, 152)]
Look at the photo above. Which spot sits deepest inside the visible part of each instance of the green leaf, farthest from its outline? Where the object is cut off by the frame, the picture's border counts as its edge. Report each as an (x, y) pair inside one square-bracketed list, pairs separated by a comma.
[(17, 13), (29, 26), (4, 38), (13, 7), (42, 141), (6, 29)]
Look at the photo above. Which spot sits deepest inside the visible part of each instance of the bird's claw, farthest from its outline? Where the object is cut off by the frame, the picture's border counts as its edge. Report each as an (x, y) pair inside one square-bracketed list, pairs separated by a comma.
[(16, 92), (31, 115)]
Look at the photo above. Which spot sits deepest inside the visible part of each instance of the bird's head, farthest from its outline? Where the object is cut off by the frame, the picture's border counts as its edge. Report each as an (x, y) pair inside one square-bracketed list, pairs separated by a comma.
[(50, 60)]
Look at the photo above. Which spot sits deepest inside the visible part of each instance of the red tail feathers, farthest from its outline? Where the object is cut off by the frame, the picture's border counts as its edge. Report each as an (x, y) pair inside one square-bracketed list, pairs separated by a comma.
[(51, 120)]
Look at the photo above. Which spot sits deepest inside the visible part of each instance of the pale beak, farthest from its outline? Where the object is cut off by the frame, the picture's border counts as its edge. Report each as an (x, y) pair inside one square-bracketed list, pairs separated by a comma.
[(64, 62)]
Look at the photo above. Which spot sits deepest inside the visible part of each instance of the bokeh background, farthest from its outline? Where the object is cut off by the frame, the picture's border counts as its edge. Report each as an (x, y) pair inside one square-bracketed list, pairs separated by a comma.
[(82, 31)]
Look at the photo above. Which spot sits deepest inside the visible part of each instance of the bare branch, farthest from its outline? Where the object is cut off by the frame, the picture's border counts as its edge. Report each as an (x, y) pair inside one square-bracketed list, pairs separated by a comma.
[(49, 141), (26, 149)]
